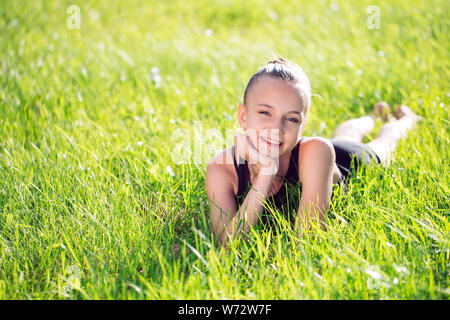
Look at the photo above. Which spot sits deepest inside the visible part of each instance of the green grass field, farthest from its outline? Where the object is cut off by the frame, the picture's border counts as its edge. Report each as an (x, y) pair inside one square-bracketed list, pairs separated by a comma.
[(93, 205)]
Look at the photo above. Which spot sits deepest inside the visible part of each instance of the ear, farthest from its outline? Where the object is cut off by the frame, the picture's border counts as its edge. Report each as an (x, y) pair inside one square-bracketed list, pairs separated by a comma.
[(242, 116)]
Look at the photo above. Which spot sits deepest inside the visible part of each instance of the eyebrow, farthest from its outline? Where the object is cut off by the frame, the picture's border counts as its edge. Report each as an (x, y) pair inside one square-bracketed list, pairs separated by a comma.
[(269, 106)]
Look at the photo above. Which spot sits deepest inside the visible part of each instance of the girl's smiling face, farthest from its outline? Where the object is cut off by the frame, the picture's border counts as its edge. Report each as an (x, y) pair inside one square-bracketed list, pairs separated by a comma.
[(274, 116)]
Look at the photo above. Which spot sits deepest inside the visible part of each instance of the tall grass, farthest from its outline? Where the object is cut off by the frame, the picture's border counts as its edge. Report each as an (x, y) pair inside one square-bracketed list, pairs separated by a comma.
[(93, 206)]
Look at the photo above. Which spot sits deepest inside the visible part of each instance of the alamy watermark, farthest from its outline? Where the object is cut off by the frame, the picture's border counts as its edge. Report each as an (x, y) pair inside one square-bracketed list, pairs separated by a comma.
[(374, 18), (199, 145), (74, 20)]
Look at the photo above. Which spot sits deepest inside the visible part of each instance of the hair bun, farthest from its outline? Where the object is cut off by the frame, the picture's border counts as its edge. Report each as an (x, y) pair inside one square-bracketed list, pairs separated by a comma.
[(278, 60)]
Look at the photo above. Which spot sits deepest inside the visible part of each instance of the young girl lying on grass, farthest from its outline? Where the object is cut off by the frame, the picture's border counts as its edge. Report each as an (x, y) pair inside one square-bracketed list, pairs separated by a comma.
[(272, 152)]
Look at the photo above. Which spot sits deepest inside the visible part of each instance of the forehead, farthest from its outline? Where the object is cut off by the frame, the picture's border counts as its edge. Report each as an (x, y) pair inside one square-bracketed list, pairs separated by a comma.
[(278, 93)]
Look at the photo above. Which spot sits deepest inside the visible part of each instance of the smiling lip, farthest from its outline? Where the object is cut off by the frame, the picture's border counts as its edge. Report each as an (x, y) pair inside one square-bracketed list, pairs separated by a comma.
[(275, 144)]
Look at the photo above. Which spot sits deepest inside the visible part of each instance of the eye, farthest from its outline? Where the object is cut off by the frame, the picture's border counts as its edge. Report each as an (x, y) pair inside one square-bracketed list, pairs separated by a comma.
[(293, 120), (264, 113)]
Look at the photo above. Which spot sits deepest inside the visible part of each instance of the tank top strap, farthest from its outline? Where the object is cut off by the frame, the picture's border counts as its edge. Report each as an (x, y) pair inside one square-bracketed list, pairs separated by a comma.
[(242, 172), (292, 173)]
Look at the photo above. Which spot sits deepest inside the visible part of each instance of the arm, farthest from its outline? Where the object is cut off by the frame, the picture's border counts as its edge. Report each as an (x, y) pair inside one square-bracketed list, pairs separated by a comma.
[(316, 163), (226, 219)]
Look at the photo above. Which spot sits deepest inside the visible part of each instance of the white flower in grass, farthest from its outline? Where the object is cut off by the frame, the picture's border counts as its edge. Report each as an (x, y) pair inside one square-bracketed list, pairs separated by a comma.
[(155, 77), (155, 70), (401, 269), (209, 32), (273, 15), (170, 171)]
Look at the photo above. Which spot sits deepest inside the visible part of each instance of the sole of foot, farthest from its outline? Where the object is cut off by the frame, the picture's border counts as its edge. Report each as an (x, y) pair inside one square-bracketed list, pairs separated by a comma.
[(382, 110), (405, 111)]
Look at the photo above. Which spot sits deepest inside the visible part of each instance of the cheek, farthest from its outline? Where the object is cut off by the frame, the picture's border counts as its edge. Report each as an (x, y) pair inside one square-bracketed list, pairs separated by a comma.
[(260, 119), (256, 122), (294, 131), (254, 136)]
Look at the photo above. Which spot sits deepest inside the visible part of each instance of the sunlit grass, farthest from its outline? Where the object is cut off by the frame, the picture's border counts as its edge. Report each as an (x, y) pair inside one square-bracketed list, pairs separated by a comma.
[(93, 206)]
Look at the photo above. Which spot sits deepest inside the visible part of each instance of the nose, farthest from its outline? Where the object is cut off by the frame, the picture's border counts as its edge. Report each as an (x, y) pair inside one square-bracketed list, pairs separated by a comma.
[(273, 133), (277, 128)]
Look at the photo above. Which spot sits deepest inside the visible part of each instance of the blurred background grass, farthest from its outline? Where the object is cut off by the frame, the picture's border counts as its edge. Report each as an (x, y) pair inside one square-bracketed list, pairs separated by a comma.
[(87, 180)]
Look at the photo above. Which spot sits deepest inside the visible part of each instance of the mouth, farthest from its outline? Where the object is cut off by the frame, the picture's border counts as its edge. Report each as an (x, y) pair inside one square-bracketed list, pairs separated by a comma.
[(272, 143)]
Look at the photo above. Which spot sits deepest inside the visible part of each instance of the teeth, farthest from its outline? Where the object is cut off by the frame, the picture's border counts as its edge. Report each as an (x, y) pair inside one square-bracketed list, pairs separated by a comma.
[(276, 143)]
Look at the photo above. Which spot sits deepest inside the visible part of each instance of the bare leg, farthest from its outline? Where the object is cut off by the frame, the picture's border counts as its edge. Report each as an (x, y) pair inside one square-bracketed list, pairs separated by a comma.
[(390, 133), (352, 130), (355, 129)]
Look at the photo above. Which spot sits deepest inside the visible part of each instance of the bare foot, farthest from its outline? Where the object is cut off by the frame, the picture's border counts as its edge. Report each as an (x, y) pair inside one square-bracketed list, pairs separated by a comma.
[(382, 110), (405, 111)]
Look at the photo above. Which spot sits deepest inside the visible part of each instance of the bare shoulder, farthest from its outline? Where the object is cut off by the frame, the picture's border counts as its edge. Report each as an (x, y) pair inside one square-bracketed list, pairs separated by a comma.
[(220, 169), (314, 147), (315, 153)]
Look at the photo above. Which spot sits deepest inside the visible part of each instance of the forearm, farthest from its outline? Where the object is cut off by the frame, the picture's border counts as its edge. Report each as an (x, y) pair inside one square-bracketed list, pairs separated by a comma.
[(319, 168), (310, 212), (248, 214)]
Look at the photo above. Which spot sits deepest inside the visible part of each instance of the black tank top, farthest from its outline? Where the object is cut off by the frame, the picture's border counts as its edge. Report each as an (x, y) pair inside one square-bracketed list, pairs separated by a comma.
[(277, 200)]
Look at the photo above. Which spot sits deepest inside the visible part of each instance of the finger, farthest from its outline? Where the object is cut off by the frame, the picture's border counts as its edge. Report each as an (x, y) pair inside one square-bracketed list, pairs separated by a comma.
[(257, 157)]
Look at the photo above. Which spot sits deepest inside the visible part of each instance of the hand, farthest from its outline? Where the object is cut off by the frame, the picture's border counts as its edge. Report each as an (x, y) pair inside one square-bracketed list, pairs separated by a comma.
[(264, 165)]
